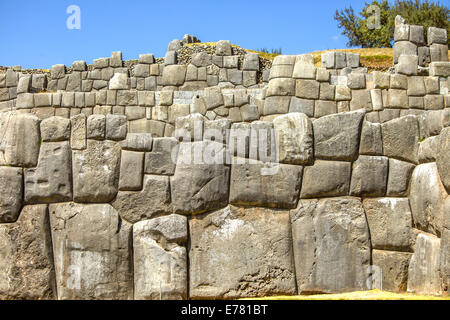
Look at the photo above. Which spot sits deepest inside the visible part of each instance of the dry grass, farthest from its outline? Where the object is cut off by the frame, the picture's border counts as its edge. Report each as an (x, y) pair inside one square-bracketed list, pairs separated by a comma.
[(359, 295)]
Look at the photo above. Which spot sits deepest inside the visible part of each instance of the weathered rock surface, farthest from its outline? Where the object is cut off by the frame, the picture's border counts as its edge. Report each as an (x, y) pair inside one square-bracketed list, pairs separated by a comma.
[(423, 271), (26, 259), (390, 223), (160, 259), (11, 194), (238, 252), (401, 138), (254, 183), (131, 170), (294, 138), (331, 245), (92, 251), (393, 268), (336, 137), (326, 179), (55, 129), (51, 180), (369, 176), (399, 176), (443, 158), (21, 140), (426, 198), (154, 199), (96, 172), (162, 159), (201, 178)]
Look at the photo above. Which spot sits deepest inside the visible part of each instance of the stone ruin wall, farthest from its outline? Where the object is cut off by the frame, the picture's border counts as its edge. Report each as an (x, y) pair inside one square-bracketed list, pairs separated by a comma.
[(322, 180)]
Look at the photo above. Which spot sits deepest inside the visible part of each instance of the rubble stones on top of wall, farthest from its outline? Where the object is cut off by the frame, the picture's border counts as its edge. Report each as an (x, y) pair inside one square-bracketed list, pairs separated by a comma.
[(331, 245), (237, 253), (336, 137), (160, 258), (26, 267), (92, 252)]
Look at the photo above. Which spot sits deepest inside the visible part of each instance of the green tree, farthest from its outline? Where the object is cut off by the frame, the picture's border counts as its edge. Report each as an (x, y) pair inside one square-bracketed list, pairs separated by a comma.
[(358, 29)]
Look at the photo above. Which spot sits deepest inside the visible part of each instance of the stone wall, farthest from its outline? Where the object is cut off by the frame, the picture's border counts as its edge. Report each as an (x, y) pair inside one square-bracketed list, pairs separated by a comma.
[(218, 179)]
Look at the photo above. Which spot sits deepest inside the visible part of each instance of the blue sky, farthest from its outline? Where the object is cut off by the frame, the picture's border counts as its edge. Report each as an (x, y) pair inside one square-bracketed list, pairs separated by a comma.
[(34, 33)]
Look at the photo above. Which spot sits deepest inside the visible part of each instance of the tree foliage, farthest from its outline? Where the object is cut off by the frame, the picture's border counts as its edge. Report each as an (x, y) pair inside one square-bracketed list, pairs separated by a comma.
[(416, 12)]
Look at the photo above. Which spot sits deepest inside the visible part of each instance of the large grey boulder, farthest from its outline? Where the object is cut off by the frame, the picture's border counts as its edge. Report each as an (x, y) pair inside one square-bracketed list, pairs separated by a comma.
[(131, 170), (223, 48), (390, 223), (11, 195), (162, 158), (174, 75), (426, 197), (152, 200), (160, 259), (283, 87), (423, 271), (393, 268), (336, 137), (78, 133), (326, 179), (237, 252), (331, 245), (51, 180), (116, 127), (96, 172), (137, 142), (401, 138), (399, 176), (21, 139), (251, 61), (92, 252), (55, 129), (445, 247), (26, 259), (371, 142), (294, 138), (254, 183), (201, 179), (443, 158), (369, 176)]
